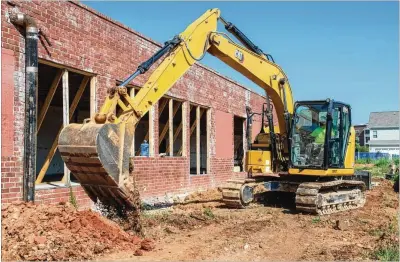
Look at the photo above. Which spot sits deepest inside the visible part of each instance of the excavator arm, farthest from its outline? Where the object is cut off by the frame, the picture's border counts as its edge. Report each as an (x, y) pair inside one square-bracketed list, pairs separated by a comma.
[(97, 152)]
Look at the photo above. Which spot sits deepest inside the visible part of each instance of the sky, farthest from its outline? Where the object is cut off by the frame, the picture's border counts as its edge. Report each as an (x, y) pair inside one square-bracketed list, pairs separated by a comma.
[(347, 51)]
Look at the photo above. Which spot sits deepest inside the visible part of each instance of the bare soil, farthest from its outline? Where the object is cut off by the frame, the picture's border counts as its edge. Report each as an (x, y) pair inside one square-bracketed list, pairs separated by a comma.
[(203, 229), (60, 232)]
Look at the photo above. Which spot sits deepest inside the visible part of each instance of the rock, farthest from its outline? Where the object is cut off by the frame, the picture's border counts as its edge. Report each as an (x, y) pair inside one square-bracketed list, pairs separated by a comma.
[(138, 252), (342, 225), (41, 246), (147, 245), (171, 230), (359, 245), (58, 225), (261, 245), (246, 246), (98, 248), (39, 240), (31, 239), (136, 240)]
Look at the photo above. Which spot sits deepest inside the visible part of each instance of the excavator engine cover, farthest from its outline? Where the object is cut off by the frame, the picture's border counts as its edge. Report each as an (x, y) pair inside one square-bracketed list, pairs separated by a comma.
[(98, 156)]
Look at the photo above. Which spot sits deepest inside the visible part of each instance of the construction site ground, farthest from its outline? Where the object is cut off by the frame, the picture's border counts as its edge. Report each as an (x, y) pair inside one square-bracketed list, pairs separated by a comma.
[(203, 229)]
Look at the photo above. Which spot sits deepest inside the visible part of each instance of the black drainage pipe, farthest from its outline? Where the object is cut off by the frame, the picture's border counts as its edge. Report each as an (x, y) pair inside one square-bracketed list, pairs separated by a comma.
[(31, 85)]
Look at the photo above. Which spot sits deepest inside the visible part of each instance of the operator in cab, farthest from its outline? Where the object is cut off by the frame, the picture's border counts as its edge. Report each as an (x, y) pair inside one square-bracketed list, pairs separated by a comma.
[(319, 133)]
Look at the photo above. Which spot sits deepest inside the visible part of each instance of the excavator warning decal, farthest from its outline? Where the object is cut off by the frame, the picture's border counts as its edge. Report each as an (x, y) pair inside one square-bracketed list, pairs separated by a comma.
[(239, 55)]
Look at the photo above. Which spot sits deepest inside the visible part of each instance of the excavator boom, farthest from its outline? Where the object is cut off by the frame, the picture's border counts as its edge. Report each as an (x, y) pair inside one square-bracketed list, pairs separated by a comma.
[(98, 151)]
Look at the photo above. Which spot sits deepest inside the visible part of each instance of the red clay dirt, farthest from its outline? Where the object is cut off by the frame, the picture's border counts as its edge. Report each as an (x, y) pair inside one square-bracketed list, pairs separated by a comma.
[(60, 232), (202, 229), (205, 231)]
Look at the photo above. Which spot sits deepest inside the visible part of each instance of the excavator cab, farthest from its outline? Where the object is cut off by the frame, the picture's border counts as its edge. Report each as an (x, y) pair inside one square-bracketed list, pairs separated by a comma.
[(320, 135)]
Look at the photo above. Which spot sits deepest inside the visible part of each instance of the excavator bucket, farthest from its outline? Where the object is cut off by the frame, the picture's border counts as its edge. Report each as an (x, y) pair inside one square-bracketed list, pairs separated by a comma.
[(98, 156)]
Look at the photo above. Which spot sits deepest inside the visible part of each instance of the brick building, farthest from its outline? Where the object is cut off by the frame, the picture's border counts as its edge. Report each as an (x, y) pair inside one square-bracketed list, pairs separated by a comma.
[(81, 49)]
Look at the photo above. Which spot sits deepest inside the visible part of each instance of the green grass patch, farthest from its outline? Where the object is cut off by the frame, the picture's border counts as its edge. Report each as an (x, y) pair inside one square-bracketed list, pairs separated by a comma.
[(316, 220), (387, 253), (72, 198), (364, 161), (208, 212)]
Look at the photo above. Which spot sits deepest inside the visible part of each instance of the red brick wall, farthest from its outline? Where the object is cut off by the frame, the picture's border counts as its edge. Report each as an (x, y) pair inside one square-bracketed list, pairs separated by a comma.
[(86, 40), (7, 93)]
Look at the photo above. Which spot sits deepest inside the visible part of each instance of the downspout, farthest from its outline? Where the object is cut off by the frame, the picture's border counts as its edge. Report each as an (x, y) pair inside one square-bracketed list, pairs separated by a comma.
[(31, 86)]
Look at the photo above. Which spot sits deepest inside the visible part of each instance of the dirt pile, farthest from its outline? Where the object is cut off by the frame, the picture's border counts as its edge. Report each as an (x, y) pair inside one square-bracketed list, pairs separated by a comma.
[(60, 232), (264, 232)]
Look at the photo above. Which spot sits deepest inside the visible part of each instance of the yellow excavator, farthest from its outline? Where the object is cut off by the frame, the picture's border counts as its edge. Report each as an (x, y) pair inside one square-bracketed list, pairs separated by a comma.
[(308, 149)]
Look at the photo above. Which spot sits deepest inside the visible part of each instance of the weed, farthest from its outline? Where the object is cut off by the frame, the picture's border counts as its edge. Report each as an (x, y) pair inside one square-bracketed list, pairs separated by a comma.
[(364, 161), (376, 232), (382, 162), (208, 212), (387, 253), (316, 220), (72, 198)]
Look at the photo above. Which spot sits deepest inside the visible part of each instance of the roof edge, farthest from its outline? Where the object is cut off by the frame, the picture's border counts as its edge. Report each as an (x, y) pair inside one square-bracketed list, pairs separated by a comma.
[(386, 111), (129, 29)]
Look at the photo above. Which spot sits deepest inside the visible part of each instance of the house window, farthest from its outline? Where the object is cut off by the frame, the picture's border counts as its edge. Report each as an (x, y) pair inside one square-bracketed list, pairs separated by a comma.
[(142, 128), (238, 151), (375, 134), (65, 95), (198, 140), (170, 127)]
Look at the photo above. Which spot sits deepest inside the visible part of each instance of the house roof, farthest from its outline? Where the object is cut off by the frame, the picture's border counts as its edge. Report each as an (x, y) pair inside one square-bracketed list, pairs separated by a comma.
[(384, 142), (383, 119)]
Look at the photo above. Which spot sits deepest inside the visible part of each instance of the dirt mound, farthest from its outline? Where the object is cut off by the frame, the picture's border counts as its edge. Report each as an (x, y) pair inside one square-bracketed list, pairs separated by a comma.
[(60, 232), (204, 196)]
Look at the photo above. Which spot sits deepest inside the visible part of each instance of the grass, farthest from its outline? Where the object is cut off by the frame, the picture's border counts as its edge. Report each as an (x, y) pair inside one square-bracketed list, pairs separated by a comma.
[(388, 253), (72, 198), (382, 162), (208, 212), (388, 249), (379, 168), (316, 220)]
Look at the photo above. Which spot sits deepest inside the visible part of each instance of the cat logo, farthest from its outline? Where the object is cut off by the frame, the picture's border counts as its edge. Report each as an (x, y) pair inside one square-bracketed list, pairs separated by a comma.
[(239, 56)]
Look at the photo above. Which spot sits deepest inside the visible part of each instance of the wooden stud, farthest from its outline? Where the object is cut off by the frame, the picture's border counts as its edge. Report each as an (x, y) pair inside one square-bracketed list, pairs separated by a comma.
[(184, 125), (132, 95), (66, 114), (93, 102), (166, 127), (208, 124), (48, 99), (171, 125), (198, 159), (192, 128), (152, 113), (53, 148)]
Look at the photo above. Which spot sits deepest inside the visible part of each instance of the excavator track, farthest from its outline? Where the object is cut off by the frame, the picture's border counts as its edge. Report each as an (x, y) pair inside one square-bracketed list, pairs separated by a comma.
[(234, 192), (320, 198), (324, 198)]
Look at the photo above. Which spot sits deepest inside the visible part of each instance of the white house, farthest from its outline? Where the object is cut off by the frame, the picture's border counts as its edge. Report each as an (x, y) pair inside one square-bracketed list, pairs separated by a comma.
[(384, 132)]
